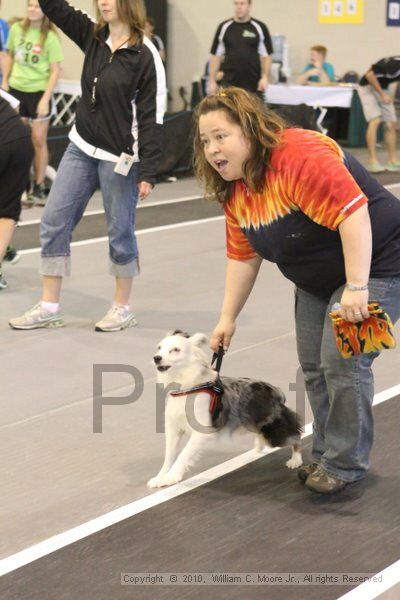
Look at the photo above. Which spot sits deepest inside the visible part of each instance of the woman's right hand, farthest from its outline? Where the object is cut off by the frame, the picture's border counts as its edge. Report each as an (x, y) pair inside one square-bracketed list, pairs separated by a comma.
[(222, 334), (4, 85)]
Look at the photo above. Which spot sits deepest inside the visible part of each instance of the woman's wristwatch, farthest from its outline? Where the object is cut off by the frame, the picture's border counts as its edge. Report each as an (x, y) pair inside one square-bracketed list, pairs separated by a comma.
[(356, 288)]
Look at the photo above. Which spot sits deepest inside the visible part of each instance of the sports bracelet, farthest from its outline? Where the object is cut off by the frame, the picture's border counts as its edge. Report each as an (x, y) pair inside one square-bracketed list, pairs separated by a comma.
[(356, 288)]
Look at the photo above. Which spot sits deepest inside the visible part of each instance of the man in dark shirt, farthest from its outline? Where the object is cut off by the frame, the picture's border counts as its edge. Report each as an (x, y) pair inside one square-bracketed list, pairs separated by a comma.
[(244, 45), (378, 106)]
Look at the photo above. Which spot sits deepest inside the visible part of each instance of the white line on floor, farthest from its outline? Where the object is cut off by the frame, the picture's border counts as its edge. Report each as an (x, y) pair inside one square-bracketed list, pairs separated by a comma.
[(369, 590), (391, 186), (100, 211), (66, 538), (138, 233)]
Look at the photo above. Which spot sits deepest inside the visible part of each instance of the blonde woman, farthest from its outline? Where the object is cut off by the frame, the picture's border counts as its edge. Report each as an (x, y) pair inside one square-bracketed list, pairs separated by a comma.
[(31, 73), (115, 145)]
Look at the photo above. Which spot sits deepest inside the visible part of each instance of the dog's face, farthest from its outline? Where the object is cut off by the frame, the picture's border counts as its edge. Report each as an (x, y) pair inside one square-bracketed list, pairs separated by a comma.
[(179, 351)]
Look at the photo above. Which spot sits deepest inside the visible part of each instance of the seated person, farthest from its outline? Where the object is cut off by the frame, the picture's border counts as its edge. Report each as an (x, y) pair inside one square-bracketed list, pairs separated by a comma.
[(317, 70)]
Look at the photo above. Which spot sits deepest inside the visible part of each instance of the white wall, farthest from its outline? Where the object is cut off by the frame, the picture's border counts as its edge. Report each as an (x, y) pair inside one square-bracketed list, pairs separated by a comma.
[(192, 24)]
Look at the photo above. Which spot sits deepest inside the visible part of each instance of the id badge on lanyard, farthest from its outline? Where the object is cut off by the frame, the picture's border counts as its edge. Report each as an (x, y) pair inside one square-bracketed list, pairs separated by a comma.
[(124, 164)]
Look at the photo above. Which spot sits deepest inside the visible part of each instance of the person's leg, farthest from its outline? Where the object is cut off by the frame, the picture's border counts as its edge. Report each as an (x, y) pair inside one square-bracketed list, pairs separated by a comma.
[(310, 313), (7, 227), (40, 128), (15, 158), (75, 183), (371, 137), (120, 196), (371, 107), (123, 289), (390, 140), (350, 383)]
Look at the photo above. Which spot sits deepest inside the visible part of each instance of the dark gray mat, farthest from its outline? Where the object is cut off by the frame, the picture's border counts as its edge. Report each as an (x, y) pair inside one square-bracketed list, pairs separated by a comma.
[(257, 519)]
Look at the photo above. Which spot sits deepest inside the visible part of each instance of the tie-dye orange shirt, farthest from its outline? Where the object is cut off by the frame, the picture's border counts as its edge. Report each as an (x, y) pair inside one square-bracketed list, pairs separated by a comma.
[(309, 190)]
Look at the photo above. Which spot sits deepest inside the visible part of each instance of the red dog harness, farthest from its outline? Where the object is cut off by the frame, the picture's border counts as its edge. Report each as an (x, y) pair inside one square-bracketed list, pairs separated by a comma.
[(213, 388)]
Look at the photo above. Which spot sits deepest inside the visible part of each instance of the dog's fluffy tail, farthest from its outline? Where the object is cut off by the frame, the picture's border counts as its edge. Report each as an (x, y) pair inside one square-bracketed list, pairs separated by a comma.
[(283, 429)]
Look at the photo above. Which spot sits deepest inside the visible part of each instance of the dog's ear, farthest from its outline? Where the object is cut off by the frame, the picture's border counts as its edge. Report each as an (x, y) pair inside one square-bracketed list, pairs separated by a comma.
[(178, 332), (199, 339)]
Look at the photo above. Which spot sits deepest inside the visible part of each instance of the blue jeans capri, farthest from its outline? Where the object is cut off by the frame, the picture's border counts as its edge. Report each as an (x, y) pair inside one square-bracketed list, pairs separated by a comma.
[(78, 177)]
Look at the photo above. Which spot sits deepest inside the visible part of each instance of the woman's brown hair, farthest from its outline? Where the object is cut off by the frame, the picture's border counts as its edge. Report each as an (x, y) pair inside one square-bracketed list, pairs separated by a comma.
[(261, 126), (45, 27), (131, 12)]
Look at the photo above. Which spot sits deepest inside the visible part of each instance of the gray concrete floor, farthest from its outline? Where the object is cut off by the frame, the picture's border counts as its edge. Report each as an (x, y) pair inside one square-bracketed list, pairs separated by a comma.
[(56, 473), (163, 192)]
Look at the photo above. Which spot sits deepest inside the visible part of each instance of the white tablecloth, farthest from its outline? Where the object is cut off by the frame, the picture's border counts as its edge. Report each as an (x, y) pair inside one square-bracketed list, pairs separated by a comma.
[(331, 95), (71, 87)]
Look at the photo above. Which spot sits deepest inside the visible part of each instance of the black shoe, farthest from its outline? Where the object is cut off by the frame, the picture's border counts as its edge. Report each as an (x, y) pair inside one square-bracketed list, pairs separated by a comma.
[(38, 196), (11, 255)]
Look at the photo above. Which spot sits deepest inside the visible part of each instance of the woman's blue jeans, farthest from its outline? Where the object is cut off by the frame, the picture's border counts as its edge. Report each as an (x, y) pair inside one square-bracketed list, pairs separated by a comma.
[(340, 391), (78, 177)]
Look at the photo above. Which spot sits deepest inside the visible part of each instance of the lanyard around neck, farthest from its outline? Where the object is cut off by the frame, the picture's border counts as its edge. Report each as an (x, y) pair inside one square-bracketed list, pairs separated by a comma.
[(96, 78)]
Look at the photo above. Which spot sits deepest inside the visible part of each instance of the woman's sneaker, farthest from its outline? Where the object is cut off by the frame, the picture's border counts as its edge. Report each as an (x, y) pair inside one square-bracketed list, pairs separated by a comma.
[(38, 195), (3, 282), (36, 318), (11, 255), (117, 318)]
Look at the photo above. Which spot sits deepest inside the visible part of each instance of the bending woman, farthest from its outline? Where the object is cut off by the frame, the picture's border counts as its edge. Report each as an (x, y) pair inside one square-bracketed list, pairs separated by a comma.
[(294, 197)]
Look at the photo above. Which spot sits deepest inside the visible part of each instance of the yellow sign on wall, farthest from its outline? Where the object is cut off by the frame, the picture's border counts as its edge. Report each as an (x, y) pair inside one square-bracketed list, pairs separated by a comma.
[(341, 11)]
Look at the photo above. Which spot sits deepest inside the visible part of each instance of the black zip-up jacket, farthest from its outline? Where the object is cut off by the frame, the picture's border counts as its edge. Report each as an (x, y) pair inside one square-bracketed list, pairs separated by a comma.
[(130, 91)]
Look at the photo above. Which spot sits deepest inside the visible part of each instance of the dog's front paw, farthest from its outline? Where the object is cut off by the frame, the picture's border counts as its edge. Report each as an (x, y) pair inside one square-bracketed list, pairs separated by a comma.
[(171, 478), (156, 482), (295, 462), (163, 480)]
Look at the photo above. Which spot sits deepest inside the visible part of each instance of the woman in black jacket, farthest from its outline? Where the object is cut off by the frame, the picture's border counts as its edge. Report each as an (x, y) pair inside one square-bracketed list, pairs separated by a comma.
[(114, 144)]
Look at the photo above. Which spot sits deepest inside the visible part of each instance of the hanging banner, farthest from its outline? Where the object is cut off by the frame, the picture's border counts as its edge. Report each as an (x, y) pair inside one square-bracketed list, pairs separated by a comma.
[(393, 13), (341, 11)]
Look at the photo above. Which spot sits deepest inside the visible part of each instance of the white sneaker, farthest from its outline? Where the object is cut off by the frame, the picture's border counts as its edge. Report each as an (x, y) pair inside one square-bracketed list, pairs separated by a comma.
[(117, 318), (37, 317), (3, 282)]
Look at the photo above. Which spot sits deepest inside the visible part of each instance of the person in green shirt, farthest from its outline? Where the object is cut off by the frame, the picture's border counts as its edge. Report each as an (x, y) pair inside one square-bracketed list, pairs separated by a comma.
[(31, 73)]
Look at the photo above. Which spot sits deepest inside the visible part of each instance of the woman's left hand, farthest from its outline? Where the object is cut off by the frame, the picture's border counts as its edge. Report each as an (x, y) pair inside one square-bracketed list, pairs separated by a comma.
[(144, 189), (42, 108), (354, 305)]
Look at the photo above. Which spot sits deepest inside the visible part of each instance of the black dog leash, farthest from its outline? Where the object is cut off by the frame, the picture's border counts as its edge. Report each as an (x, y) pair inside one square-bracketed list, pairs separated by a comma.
[(217, 358)]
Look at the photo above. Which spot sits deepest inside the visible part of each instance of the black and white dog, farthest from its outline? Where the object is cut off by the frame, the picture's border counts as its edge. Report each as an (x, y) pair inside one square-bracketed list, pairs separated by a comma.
[(205, 406)]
